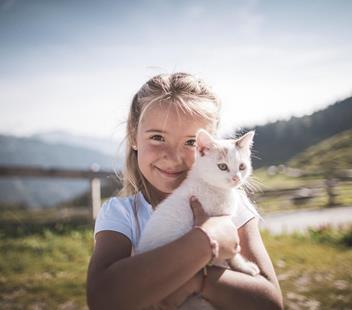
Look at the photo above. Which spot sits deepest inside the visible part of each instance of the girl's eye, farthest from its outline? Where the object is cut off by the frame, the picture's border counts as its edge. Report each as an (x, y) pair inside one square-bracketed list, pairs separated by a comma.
[(191, 142), (242, 166), (223, 167), (157, 138)]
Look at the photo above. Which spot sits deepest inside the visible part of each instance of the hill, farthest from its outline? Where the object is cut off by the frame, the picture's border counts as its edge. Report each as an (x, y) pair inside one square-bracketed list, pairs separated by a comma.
[(276, 143), (327, 157)]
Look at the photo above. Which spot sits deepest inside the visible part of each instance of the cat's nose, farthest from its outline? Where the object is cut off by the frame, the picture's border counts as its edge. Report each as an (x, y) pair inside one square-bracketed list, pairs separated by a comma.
[(235, 178)]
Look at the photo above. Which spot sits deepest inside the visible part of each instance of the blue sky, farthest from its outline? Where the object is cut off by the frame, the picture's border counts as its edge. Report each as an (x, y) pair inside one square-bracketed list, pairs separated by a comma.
[(75, 65)]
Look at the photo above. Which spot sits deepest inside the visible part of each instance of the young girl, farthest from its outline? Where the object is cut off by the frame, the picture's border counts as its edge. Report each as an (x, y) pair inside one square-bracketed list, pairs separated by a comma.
[(164, 117)]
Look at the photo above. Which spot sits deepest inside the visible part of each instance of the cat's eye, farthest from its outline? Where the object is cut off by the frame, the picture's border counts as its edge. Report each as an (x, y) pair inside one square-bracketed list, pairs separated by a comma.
[(242, 166), (223, 167)]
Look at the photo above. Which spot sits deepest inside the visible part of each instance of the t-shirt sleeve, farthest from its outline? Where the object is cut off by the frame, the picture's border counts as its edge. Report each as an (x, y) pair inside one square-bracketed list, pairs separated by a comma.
[(246, 211), (114, 215)]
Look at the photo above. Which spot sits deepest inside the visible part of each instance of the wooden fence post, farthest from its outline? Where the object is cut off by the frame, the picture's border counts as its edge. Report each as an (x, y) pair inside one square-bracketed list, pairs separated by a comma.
[(96, 197), (330, 185)]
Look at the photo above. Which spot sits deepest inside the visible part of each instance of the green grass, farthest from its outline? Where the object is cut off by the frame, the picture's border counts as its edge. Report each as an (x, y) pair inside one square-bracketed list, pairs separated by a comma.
[(278, 181), (277, 202), (327, 157), (313, 269), (47, 270)]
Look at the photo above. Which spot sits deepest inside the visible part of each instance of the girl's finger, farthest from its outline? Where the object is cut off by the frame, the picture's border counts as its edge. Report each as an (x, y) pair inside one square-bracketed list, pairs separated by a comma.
[(199, 214)]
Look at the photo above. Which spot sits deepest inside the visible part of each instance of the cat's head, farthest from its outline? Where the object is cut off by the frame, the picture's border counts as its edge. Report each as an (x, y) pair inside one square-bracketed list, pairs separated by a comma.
[(224, 163)]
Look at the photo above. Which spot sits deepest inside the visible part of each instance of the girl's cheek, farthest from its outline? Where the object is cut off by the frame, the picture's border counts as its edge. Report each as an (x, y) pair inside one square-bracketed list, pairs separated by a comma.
[(190, 155), (153, 148)]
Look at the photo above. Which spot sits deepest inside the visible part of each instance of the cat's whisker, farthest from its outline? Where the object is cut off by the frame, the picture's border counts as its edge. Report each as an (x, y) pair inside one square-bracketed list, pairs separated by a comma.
[(257, 185), (255, 179), (254, 185), (256, 182), (250, 188), (247, 189), (255, 156)]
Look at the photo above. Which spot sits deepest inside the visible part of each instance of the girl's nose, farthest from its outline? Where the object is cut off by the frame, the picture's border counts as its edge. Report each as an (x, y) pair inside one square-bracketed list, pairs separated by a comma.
[(173, 154)]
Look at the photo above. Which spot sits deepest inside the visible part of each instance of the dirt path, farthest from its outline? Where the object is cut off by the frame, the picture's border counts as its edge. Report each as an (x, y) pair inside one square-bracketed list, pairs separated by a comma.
[(301, 220)]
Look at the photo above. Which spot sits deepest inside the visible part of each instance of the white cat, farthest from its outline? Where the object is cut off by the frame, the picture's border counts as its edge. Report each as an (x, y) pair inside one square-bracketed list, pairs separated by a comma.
[(220, 168)]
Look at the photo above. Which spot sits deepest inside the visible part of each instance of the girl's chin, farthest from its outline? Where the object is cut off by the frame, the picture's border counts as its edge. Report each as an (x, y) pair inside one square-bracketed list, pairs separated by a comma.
[(166, 190), (163, 191), (169, 184)]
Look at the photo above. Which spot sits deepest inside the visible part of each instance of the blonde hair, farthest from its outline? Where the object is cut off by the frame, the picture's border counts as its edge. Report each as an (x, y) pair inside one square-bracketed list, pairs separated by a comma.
[(188, 93)]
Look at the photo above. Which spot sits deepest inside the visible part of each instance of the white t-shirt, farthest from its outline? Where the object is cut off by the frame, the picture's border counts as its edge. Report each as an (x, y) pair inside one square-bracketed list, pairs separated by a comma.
[(117, 214)]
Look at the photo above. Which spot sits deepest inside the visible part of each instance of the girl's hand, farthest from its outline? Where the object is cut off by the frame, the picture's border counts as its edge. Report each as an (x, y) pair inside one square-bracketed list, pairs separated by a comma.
[(219, 228)]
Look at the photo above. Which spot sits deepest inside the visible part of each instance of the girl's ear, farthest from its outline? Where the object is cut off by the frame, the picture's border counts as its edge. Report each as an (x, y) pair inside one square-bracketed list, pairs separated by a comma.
[(246, 141), (204, 142), (133, 143)]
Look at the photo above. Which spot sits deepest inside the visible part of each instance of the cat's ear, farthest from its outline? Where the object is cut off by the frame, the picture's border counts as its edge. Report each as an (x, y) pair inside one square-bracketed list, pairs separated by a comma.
[(204, 142), (246, 141)]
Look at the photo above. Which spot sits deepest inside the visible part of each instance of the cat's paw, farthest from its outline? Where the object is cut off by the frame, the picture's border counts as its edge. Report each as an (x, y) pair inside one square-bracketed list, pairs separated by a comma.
[(239, 263), (252, 269)]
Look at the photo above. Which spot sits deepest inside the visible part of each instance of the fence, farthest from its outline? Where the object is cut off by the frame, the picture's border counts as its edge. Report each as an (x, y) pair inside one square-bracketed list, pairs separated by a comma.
[(326, 193), (94, 176), (317, 194)]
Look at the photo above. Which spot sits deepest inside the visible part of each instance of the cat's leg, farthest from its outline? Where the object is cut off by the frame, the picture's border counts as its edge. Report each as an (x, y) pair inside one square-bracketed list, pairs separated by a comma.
[(239, 263)]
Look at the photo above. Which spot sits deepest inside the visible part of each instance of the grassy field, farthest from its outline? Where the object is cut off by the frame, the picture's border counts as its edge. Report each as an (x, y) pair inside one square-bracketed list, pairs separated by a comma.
[(47, 270), (277, 202), (314, 269), (44, 254), (312, 167)]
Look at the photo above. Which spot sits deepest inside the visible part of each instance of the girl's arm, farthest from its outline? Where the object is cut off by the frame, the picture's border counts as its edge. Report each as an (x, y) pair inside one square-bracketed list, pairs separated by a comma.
[(117, 280), (227, 289)]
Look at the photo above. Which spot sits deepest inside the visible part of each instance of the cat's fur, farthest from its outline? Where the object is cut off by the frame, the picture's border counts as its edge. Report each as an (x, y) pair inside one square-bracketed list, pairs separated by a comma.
[(217, 191)]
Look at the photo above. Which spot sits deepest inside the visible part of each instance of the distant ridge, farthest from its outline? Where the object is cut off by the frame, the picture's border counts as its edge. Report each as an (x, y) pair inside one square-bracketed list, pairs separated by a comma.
[(107, 146), (277, 142)]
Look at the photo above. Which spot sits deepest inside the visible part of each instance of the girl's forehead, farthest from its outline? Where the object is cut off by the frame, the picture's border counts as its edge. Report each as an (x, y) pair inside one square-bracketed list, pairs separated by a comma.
[(170, 117)]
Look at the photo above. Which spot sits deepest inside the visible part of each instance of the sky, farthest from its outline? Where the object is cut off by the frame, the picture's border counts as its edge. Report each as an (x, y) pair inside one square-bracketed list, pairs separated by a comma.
[(74, 66)]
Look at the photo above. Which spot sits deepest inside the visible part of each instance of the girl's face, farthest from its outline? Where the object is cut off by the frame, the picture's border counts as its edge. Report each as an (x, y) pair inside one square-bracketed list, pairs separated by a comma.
[(166, 146)]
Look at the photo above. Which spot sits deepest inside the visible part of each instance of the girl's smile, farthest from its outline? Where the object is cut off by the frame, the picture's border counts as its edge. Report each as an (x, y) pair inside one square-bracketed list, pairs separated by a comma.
[(170, 173), (166, 146)]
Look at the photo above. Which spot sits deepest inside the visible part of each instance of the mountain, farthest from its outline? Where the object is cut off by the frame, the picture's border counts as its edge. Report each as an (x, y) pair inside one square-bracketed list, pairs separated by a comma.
[(277, 142), (35, 192), (104, 145)]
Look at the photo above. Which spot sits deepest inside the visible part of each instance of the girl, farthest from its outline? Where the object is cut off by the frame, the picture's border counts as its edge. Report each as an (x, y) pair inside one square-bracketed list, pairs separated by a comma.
[(164, 117)]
